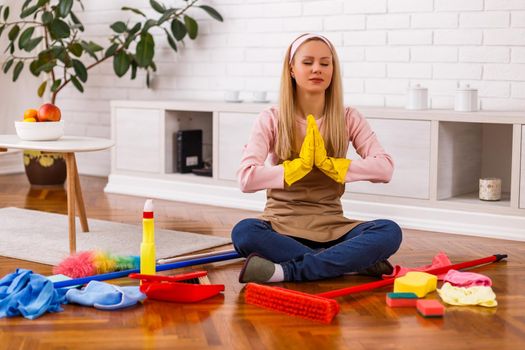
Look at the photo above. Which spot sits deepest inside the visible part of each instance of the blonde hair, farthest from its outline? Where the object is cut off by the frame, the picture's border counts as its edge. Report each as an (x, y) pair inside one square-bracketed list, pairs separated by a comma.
[(334, 135)]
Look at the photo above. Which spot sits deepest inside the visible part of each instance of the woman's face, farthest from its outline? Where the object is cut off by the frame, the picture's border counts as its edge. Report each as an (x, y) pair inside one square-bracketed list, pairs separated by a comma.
[(312, 66)]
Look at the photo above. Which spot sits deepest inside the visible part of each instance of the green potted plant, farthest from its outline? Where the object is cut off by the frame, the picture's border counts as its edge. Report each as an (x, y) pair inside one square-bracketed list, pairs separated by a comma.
[(46, 38)]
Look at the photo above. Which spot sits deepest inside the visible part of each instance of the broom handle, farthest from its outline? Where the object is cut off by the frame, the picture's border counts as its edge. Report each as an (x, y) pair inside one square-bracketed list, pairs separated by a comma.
[(194, 256), (125, 273), (435, 271)]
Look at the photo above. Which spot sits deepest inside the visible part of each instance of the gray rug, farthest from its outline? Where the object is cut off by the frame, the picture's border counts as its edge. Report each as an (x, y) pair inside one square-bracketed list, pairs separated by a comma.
[(43, 237)]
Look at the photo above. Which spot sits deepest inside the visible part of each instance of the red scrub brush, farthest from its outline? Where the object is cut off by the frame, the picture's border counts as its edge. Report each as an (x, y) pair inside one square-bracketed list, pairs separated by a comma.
[(320, 307)]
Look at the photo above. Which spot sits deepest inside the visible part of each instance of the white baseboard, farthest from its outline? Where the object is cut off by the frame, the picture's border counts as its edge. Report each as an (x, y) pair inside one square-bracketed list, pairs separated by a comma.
[(413, 217), (11, 162), (440, 220)]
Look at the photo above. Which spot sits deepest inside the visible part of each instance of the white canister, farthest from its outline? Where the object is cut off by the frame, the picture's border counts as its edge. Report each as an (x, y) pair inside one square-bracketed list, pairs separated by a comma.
[(466, 99), (490, 189), (417, 97)]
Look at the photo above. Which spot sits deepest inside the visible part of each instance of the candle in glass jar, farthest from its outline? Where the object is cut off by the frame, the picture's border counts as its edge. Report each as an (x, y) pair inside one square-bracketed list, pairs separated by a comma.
[(490, 189)]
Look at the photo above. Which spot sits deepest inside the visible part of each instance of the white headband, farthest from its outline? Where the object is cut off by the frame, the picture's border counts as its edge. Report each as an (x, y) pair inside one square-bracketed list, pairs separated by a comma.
[(301, 39)]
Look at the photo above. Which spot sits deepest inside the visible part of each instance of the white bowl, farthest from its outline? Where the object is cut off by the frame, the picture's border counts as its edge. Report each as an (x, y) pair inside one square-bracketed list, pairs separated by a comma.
[(39, 131)]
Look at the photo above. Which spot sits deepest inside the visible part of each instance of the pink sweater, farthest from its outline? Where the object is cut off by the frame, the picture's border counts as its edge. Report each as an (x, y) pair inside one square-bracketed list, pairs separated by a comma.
[(260, 170)]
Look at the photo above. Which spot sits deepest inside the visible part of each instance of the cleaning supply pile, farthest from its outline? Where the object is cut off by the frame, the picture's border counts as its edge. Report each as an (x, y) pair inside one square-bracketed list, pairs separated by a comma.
[(412, 286), (31, 295)]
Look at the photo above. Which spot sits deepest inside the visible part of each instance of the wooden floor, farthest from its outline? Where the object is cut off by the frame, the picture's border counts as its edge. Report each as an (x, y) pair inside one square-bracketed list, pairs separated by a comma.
[(226, 322)]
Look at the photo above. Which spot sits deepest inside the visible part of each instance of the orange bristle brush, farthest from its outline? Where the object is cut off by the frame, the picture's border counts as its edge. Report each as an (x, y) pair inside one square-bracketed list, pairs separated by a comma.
[(320, 307)]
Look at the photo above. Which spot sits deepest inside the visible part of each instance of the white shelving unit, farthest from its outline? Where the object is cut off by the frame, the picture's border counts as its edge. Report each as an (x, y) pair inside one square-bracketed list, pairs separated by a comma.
[(439, 157)]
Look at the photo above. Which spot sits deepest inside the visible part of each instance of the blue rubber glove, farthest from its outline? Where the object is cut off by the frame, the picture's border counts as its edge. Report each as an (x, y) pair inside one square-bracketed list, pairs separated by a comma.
[(28, 294), (105, 296)]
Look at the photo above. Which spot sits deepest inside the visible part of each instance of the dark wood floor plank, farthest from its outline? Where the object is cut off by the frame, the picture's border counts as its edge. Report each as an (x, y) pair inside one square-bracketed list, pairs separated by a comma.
[(226, 322)]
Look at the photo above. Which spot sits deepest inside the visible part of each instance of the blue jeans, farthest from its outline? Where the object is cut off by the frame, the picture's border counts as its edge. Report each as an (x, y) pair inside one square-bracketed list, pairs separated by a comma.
[(303, 260)]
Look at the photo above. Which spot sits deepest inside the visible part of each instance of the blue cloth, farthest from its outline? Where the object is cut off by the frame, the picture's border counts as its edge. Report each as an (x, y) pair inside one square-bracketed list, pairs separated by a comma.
[(303, 260), (28, 294), (105, 296)]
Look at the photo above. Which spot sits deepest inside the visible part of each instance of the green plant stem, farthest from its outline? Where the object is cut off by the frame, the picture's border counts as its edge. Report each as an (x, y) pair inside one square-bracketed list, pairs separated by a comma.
[(23, 58), (54, 94), (186, 8), (21, 22)]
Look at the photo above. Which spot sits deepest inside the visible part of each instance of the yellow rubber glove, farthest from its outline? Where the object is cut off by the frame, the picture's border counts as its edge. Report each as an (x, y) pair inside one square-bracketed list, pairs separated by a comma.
[(335, 168), (296, 169)]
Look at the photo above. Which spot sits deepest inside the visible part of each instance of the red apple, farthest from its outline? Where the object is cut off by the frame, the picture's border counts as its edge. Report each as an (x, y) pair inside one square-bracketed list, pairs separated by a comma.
[(48, 112)]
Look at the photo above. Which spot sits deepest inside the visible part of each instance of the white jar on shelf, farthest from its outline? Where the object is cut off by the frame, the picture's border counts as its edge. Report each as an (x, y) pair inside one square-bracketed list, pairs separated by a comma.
[(466, 99), (417, 97)]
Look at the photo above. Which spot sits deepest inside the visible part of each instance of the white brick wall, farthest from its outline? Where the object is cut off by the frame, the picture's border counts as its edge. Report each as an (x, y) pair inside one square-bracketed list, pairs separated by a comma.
[(384, 46)]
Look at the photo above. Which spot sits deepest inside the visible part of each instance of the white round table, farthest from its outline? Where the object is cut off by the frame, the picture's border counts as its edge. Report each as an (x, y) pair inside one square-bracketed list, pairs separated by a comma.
[(67, 145)]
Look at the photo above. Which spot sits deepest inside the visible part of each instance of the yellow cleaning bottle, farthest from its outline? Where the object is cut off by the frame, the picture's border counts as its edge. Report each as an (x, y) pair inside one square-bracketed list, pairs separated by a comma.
[(147, 247)]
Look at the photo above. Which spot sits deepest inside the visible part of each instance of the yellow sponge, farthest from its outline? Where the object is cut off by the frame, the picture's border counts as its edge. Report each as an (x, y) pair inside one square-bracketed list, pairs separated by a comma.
[(416, 282)]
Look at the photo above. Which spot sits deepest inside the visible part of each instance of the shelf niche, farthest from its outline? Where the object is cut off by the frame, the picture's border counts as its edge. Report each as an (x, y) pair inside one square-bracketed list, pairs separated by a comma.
[(468, 152), (187, 120)]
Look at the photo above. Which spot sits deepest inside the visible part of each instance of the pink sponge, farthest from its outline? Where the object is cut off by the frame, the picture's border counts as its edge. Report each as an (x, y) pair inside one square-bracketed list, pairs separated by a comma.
[(401, 299), (430, 308)]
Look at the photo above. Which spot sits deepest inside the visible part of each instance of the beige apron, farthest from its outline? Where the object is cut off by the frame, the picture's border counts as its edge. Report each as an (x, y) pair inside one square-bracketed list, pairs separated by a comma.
[(310, 208)]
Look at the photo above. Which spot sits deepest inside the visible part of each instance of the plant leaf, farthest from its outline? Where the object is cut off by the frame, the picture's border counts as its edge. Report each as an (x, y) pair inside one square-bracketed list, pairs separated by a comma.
[(178, 29), (29, 11), (111, 50), (55, 85), (47, 17), (80, 70), (18, 68), (46, 55), (149, 23), (8, 65), (77, 22), (121, 63), (85, 45), (95, 47), (59, 29), (64, 7), (77, 84), (75, 48), (135, 29), (2, 27), (133, 70), (31, 44), (25, 4), (13, 33), (192, 27), (25, 37), (138, 12), (145, 50), (34, 67), (157, 6), (6, 13), (167, 15), (119, 27), (42, 89), (212, 12), (171, 41), (47, 67), (62, 54)]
